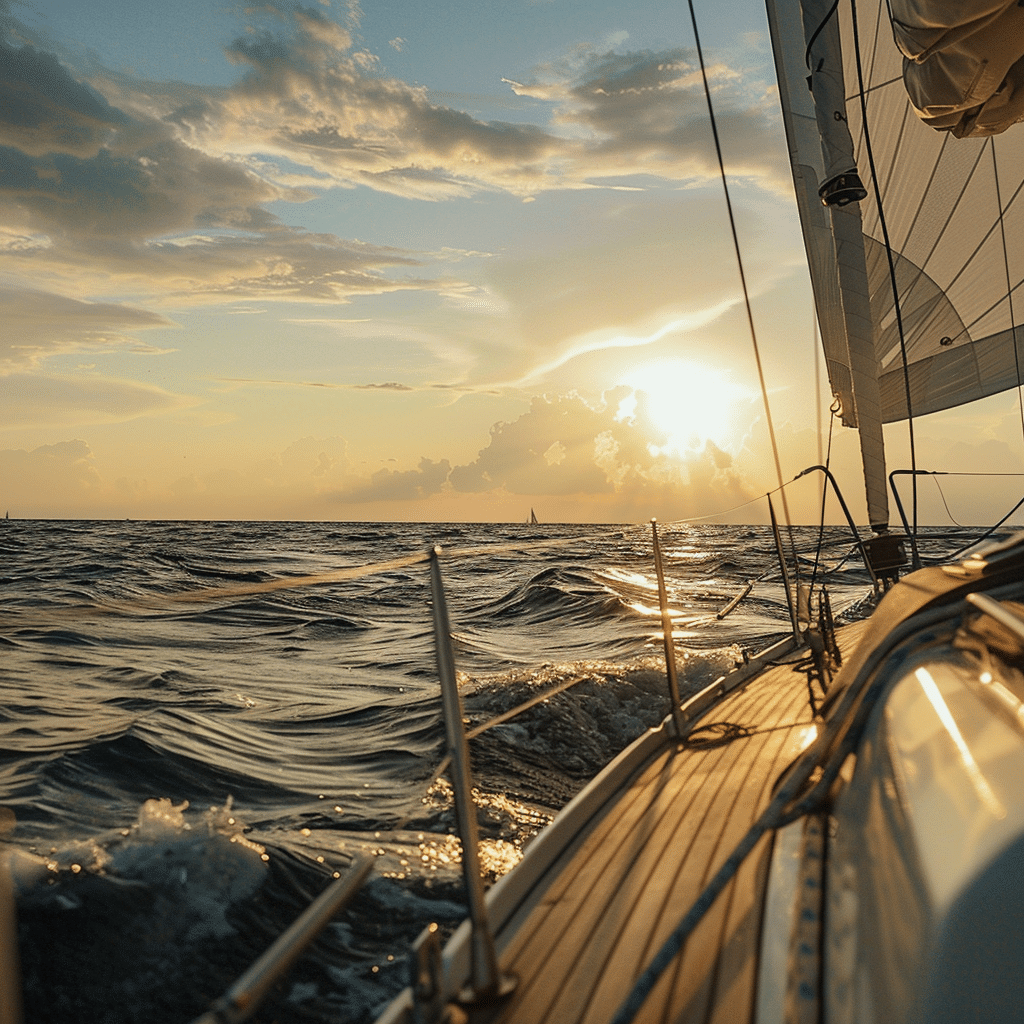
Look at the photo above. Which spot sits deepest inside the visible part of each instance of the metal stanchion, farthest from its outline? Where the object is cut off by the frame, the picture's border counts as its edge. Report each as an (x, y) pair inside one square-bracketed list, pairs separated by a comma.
[(785, 575), (666, 628), (245, 996), (486, 981)]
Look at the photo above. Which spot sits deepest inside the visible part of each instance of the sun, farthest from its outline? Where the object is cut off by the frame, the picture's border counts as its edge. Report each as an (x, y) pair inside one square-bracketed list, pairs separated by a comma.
[(690, 402)]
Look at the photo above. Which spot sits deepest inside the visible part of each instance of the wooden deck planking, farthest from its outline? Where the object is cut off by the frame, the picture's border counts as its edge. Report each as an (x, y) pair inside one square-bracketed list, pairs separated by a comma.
[(686, 841), (600, 886), (686, 991), (735, 911), (621, 890)]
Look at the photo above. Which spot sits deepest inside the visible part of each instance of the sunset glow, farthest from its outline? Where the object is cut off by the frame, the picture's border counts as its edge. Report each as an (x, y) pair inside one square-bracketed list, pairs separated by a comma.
[(689, 402), (386, 261)]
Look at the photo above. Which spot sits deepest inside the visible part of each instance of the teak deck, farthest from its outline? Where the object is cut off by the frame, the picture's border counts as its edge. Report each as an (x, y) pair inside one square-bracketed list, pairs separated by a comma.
[(617, 894)]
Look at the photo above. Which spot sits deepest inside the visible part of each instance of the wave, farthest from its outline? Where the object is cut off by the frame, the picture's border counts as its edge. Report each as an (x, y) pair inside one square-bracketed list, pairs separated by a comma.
[(135, 669)]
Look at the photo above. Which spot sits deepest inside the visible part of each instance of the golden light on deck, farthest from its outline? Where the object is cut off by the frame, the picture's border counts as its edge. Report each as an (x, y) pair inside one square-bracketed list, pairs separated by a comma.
[(806, 737)]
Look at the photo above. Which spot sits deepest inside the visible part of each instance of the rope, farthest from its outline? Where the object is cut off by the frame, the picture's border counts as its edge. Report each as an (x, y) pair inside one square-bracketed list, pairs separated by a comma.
[(834, 409), (162, 604), (987, 533), (817, 32), (945, 504)]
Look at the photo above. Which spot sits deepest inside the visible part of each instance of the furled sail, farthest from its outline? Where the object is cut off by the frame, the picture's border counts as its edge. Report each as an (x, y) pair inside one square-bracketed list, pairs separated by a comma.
[(953, 209), (963, 70)]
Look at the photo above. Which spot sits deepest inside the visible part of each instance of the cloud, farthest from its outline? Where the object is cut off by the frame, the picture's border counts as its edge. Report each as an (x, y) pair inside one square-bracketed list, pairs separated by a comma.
[(401, 485), (564, 446), (107, 193), (35, 400), (47, 110), (115, 185), (39, 324), (514, 459), (645, 113), (50, 477), (386, 386), (179, 152), (311, 463)]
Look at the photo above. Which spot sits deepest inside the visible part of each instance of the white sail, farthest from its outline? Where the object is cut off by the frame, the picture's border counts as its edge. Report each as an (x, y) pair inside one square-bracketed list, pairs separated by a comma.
[(820, 147), (954, 212), (955, 218)]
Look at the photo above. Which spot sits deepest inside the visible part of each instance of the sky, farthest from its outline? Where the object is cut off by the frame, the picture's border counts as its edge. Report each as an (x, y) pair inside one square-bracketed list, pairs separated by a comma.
[(411, 261)]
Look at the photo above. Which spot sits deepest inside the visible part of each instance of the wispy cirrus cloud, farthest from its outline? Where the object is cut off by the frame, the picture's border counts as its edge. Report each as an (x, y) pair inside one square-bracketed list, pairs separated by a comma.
[(38, 325), (387, 386), (48, 400)]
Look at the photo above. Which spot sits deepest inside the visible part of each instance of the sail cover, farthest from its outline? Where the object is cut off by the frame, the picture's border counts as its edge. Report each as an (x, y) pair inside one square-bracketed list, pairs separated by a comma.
[(963, 69), (952, 206)]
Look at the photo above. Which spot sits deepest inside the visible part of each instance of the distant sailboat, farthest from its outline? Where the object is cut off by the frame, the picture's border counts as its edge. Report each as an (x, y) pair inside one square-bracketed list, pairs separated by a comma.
[(533, 517)]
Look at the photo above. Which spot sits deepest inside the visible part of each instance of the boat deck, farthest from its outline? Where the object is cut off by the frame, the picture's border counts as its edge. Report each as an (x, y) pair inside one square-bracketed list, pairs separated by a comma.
[(620, 890)]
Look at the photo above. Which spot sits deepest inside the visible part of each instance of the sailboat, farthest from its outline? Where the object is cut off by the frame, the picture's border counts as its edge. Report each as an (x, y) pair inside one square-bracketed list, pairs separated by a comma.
[(834, 831)]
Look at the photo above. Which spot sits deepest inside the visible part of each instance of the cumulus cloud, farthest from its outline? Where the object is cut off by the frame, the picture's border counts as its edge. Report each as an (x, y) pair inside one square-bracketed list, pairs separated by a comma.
[(311, 463), (564, 446), (61, 474), (521, 455), (112, 186), (47, 110), (427, 479), (645, 113), (117, 185), (141, 158)]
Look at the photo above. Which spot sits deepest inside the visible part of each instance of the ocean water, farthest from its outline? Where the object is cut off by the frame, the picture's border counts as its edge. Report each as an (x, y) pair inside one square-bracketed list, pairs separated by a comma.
[(204, 723)]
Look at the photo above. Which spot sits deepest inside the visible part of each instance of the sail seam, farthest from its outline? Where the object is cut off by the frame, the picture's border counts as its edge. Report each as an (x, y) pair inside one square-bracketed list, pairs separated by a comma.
[(981, 316), (920, 206), (896, 151), (873, 88)]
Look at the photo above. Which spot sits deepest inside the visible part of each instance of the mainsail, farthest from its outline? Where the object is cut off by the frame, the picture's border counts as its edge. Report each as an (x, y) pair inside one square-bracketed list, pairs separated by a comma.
[(955, 221)]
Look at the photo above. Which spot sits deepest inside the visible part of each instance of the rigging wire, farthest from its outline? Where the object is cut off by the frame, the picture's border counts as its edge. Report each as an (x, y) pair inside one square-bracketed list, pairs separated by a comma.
[(834, 409), (888, 251), (987, 533), (1009, 289), (743, 277), (945, 504), (817, 32)]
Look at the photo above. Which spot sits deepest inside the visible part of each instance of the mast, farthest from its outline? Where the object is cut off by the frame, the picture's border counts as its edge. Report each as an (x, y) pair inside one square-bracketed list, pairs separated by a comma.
[(824, 170)]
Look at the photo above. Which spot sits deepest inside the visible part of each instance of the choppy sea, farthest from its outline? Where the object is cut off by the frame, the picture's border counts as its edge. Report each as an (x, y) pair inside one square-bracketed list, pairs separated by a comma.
[(202, 724)]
